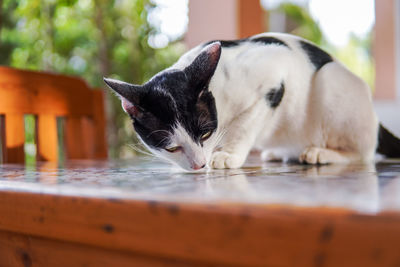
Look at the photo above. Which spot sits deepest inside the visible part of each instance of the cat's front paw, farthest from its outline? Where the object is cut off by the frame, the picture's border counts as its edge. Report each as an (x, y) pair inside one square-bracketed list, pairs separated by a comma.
[(315, 155), (225, 160)]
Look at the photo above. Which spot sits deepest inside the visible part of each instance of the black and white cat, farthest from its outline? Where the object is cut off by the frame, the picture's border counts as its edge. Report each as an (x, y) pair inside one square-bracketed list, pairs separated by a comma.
[(273, 92)]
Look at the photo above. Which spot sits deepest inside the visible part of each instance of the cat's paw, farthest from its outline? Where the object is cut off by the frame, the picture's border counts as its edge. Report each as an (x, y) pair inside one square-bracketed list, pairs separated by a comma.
[(268, 155), (225, 160), (315, 155)]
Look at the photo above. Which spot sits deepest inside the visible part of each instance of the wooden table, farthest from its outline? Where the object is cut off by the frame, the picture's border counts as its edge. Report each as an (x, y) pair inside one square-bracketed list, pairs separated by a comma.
[(142, 213)]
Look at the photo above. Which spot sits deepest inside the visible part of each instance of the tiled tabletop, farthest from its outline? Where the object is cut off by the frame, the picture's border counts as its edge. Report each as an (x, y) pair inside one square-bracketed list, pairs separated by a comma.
[(144, 213), (365, 188)]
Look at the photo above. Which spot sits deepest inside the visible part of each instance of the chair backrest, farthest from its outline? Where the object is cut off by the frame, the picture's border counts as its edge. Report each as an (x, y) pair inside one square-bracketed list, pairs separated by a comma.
[(49, 96)]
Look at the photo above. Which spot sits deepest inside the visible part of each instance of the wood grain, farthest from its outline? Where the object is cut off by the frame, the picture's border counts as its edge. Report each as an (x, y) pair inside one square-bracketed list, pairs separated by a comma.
[(220, 234), (22, 250), (32, 92), (75, 138), (99, 124), (14, 138), (48, 96), (47, 141), (2, 138)]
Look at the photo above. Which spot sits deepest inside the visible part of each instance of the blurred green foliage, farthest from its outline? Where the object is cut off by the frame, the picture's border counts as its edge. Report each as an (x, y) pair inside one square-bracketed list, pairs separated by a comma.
[(30, 148), (356, 54), (305, 25), (86, 38)]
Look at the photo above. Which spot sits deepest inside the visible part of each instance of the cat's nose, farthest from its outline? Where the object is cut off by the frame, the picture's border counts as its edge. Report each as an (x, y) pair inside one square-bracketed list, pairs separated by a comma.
[(198, 167)]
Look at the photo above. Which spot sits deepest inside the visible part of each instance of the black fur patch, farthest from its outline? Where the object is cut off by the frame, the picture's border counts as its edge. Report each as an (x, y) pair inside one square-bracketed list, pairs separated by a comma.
[(227, 43), (264, 40), (317, 56), (268, 41), (275, 95), (179, 104), (388, 143), (159, 112)]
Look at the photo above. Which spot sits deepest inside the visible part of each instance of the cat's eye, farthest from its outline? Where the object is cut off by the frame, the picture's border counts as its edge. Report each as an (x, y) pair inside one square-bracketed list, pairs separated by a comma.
[(173, 149), (205, 136)]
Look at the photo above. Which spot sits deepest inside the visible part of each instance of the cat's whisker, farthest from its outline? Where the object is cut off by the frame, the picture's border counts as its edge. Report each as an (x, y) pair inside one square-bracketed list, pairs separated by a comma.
[(202, 122), (219, 137), (150, 156), (162, 140), (156, 131), (205, 125), (140, 150), (162, 158)]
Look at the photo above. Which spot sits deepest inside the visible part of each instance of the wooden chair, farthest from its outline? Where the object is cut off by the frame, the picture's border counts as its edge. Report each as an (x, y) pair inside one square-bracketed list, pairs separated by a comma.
[(49, 96)]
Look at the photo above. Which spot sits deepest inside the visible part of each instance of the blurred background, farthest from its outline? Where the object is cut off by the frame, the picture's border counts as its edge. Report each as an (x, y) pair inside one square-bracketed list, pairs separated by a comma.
[(132, 40)]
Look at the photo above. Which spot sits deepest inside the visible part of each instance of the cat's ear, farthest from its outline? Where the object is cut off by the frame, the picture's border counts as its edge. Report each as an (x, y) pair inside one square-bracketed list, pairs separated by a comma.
[(128, 93), (203, 66)]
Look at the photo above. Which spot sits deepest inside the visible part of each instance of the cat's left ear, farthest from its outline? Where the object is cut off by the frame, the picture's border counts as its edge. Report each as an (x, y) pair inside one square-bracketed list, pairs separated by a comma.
[(128, 93), (203, 67)]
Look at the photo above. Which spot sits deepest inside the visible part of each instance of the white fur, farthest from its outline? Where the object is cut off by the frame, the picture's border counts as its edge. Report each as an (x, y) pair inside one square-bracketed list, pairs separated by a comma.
[(324, 117)]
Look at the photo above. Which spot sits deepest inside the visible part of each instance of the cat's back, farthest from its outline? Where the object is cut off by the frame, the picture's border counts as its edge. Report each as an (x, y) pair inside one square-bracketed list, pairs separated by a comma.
[(250, 68), (256, 49)]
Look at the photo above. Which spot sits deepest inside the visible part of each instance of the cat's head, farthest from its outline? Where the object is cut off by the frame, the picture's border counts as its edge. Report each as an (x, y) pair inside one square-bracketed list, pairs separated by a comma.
[(174, 113)]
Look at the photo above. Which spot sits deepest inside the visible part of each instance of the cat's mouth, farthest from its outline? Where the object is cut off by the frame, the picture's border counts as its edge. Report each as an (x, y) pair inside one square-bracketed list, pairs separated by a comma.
[(195, 169), (179, 168), (188, 167)]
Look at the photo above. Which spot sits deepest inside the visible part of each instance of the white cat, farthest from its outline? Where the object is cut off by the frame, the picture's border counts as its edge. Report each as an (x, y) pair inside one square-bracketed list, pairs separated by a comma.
[(273, 92)]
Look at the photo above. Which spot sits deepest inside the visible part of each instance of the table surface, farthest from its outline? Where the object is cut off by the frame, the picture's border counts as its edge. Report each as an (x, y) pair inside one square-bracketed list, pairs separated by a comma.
[(364, 188), (144, 213)]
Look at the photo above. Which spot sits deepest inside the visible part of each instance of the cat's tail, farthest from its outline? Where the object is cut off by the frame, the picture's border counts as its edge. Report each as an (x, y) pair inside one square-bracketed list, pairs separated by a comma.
[(388, 143)]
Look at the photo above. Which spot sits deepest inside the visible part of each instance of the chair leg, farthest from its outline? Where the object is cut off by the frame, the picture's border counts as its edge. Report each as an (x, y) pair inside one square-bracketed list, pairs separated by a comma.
[(47, 138), (79, 140), (99, 121), (14, 138)]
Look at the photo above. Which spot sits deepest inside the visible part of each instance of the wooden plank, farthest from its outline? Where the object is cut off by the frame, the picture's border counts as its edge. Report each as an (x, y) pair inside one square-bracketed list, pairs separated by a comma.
[(43, 93), (88, 137), (14, 138), (79, 137), (22, 250), (2, 138), (74, 138), (47, 142), (231, 234), (100, 146), (250, 18)]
